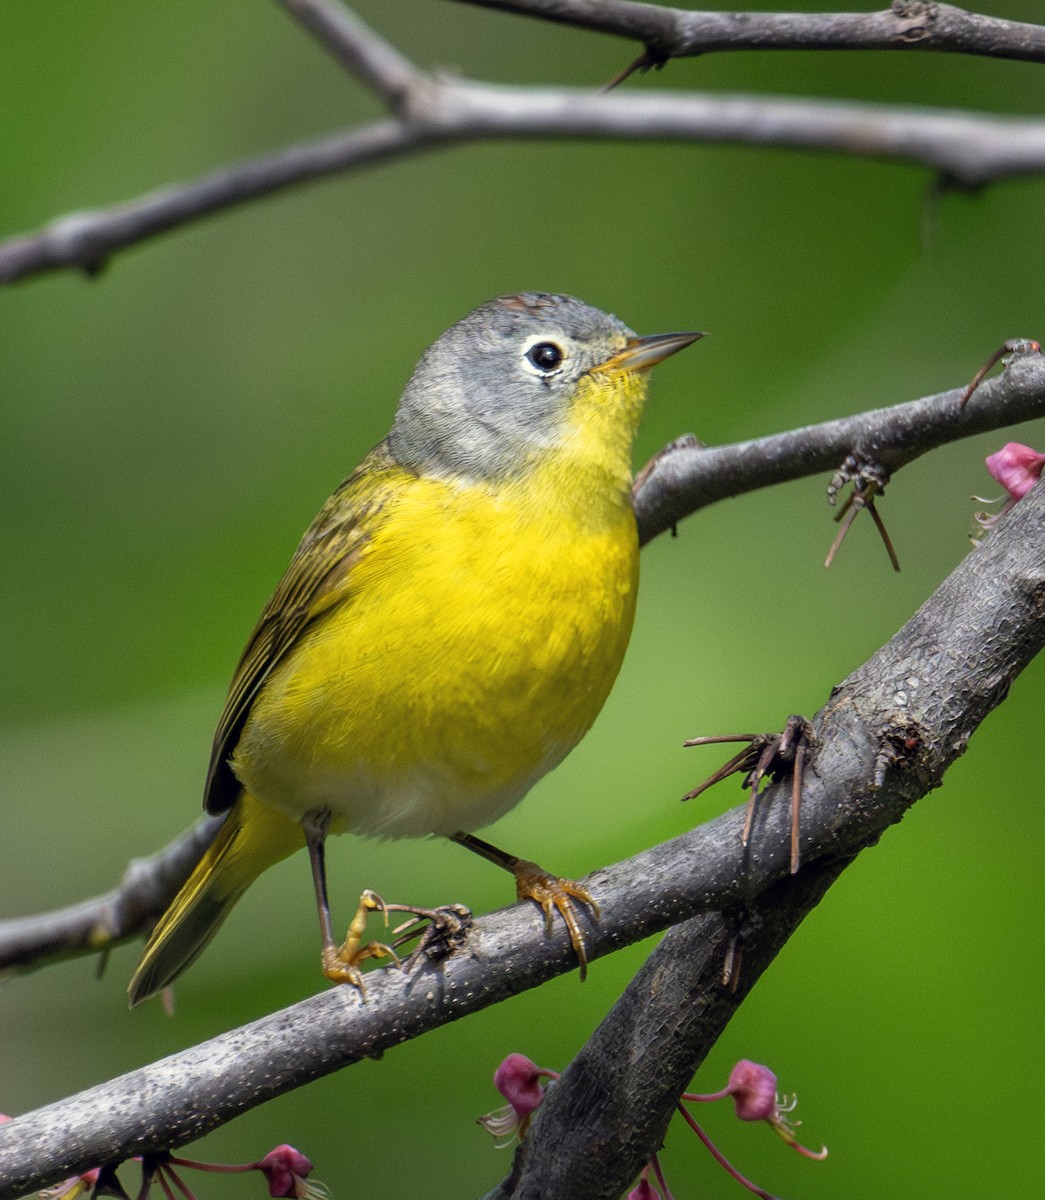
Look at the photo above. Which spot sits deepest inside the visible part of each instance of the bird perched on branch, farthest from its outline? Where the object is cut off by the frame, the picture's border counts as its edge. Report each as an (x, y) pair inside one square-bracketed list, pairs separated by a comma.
[(448, 628)]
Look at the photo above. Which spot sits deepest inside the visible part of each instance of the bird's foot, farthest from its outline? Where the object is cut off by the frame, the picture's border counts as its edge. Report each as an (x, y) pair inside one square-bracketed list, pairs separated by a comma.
[(766, 756), (341, 963), (555, 895)]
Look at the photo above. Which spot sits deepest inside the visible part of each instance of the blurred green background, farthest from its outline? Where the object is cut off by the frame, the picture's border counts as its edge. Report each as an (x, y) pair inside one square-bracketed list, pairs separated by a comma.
[(168, 429)]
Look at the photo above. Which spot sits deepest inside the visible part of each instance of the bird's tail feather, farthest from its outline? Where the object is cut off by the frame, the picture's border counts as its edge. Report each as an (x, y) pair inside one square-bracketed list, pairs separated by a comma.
[(253, 838)]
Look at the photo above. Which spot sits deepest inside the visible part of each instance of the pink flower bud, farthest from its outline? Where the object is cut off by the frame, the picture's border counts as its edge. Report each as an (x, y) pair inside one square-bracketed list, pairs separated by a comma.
[(753, 1088), (1016, 467), (284, 1168), (643, 1190), (518, 1081)]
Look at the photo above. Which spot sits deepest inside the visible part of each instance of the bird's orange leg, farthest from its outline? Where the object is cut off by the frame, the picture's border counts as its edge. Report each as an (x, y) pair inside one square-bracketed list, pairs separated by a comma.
[(549, 891)]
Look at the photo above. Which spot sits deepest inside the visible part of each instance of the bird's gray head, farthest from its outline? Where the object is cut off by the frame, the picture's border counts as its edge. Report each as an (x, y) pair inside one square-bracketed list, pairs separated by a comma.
[(497, 386)]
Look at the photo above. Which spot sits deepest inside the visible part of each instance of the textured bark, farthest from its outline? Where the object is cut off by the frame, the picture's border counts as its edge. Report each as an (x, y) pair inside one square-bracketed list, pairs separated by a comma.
[(885, 737)]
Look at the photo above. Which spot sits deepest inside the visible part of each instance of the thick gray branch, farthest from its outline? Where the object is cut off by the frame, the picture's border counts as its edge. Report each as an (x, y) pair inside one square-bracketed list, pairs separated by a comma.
[(902, 718), (925, 692), (679, 32)]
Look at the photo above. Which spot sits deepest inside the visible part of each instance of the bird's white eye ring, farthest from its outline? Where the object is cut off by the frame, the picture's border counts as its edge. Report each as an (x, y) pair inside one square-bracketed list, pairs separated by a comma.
[(544, 356)]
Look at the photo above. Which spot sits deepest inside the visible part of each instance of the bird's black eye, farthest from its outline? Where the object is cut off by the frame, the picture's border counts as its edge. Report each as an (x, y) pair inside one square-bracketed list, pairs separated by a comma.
[(545, 356)]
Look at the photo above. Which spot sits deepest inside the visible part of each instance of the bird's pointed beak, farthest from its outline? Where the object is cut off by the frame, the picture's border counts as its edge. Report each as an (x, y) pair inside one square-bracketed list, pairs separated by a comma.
[(641, 353)]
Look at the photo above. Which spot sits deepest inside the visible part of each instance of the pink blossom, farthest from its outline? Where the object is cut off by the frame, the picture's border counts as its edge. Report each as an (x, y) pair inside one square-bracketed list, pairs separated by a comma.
[(285, 1170), (1016, 467), (753, 1088), (643, 1190), (518, 1080)]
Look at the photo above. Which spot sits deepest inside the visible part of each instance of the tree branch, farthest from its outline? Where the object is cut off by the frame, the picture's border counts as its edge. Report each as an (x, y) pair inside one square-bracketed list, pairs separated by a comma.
[(87, 240), (956, 659), (432, 112), (361, 51), (968, 149), (902, 718), (680, 32), (96, 925), (619, 1092), (684, 477), (677, 482)]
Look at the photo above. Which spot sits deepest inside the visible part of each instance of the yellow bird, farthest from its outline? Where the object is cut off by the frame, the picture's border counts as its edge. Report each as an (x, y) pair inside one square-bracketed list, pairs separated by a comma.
[(449, 626)]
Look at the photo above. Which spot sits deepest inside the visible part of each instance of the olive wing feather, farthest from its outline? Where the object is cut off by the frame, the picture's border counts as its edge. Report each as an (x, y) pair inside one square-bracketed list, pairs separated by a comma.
[(316, 581)]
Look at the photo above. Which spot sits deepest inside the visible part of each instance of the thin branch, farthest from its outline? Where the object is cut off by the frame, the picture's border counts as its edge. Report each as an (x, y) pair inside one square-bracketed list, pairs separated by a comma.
[(97, 925), (680, 32), (968, 149), (971, 148), (357, 47), (87, 240), (685, 478), (878, 751), (965, 149)]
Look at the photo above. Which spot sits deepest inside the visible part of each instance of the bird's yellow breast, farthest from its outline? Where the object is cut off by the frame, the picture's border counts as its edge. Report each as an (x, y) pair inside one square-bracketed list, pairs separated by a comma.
[(481, 629)]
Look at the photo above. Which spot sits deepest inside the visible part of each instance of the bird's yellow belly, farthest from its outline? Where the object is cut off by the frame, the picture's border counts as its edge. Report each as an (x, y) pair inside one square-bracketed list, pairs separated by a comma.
[(461, 669)]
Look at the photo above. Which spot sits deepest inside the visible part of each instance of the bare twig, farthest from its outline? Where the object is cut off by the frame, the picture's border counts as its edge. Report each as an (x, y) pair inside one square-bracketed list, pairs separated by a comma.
[(95, 926), (685, 478), (967, 148), (958, 656), (1012, 346), (87, 240), (964, 148), (361, 51), (680, 32)]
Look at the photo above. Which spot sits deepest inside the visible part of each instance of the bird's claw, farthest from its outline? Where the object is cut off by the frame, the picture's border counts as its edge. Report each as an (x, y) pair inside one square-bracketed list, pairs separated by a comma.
[(554, 895), (341, 963)]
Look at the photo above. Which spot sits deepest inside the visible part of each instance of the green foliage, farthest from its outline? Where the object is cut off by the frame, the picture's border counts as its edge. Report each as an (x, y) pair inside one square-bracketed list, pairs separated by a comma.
[(169, 428)]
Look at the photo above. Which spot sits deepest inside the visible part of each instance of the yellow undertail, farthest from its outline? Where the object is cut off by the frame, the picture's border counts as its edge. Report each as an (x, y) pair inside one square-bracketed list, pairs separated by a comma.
[(253, 838)]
